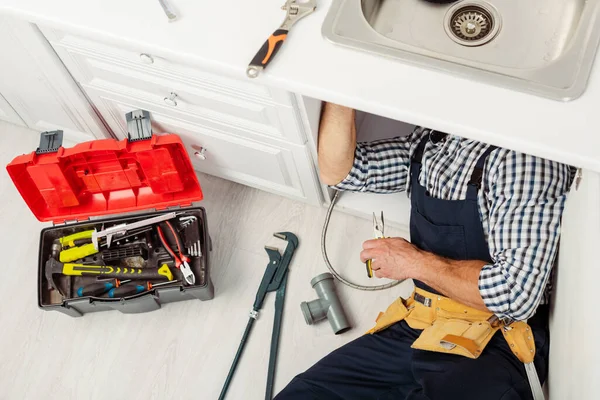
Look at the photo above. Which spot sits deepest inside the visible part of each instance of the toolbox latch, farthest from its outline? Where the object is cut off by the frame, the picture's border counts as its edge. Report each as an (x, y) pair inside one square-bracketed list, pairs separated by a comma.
[(50, 142), (139, 126)]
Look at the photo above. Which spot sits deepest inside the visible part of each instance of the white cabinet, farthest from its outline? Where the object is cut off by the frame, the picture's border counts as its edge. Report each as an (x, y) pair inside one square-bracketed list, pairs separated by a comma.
[(574, 325), (39, 88), (7, 113)]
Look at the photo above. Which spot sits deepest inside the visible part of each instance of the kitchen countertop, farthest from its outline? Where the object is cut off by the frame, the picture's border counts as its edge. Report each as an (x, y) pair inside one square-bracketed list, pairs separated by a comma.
[(224, 35)]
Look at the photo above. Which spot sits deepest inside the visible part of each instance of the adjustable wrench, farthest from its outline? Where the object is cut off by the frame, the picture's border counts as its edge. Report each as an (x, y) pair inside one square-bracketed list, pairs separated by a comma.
[(295, 11)]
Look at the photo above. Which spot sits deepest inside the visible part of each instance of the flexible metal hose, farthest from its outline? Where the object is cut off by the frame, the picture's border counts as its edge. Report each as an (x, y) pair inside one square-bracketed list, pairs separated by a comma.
[(330, 267)]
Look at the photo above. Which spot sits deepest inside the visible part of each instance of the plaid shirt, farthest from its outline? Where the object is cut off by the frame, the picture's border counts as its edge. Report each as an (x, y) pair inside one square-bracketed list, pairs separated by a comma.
[(520, 204)]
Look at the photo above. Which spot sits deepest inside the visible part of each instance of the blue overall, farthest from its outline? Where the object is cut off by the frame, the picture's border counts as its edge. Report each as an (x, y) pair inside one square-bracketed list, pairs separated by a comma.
[(384, 366)]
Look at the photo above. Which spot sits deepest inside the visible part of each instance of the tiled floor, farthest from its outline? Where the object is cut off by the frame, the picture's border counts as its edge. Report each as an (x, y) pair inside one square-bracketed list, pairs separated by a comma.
[(184, 350)]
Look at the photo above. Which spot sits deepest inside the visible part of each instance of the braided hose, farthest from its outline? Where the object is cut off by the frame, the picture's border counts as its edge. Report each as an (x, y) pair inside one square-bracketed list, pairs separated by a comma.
[(330, 267)]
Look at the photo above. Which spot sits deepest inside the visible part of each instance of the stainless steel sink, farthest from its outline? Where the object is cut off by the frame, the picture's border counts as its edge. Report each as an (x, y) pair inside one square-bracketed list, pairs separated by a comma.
[(545, 47)]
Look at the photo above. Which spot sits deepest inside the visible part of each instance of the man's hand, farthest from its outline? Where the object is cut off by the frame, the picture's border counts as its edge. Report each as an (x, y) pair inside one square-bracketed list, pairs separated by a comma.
[(398, 259), (393, 258)]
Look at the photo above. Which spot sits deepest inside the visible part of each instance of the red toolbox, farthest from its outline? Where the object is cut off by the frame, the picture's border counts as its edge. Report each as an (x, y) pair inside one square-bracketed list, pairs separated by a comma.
[(101, 196)]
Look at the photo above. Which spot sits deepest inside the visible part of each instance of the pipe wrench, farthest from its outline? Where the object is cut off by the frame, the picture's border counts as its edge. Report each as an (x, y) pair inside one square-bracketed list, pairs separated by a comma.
[(295, 12), (274, 280)]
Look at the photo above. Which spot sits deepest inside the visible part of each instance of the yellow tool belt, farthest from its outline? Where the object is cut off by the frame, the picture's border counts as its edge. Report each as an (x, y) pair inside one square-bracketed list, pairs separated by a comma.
[(451, 327)]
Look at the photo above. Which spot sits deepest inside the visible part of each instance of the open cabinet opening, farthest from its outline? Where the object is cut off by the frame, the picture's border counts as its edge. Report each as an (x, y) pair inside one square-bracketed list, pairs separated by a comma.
[(573, 354)]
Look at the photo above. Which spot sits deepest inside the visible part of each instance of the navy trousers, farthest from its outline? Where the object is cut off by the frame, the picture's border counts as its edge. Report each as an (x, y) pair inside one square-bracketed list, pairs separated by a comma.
[(383, 366)]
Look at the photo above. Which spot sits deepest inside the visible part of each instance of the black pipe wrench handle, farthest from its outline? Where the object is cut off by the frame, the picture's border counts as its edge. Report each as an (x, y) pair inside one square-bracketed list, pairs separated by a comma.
[(270, 271)]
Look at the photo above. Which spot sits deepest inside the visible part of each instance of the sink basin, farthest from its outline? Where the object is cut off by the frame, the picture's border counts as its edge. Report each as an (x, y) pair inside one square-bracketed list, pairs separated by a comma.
[(544, 47)]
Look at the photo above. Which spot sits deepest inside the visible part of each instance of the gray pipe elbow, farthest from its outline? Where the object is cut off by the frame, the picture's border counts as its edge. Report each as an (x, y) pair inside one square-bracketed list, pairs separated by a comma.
[(328, 305)]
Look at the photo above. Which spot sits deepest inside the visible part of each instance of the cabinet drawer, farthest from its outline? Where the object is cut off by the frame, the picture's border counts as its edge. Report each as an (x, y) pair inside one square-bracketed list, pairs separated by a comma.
[(141, 60), (285, 170), (255, 119)]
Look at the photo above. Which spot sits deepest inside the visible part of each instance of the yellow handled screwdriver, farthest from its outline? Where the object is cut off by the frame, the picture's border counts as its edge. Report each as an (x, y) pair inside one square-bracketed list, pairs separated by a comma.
[(378, 234)]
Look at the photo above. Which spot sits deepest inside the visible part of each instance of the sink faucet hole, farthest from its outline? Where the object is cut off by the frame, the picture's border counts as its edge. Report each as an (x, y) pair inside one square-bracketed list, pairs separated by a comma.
[(472, 24)]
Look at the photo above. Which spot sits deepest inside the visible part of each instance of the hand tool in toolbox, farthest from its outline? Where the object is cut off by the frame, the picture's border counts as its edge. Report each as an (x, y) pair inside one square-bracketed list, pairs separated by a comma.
[(122, 229), (135, 288), (378, 227), (295, 11), (76, 239), (99, 288), (189, 225), (181, 261), (76, 246), (56, 267), (116, 180), (83, 247), (274, 280)]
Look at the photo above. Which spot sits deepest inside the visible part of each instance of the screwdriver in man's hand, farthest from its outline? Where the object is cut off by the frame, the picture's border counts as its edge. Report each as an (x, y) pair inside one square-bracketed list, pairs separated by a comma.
[(134, 288), (96, 289)]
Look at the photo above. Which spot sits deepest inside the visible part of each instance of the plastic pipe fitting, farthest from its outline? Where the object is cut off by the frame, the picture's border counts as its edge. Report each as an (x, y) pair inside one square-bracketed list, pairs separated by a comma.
[(328, 305)]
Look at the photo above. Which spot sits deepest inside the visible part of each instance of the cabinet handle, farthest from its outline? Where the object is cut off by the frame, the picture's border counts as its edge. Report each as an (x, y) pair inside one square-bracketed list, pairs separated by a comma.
[(170, 100), (146, 58), (201, 153)]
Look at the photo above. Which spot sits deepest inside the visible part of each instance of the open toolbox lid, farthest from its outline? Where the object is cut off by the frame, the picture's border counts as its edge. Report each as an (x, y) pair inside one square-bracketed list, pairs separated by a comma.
[(104, 177)]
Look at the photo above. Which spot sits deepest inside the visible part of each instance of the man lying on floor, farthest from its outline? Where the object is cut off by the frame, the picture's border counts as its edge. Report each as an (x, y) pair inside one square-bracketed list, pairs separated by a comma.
[(484, 228)]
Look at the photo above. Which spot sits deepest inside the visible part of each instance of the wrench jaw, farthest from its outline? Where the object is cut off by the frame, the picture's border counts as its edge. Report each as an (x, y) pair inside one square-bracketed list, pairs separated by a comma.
[(296, 11), (289, 237), (274, 255)]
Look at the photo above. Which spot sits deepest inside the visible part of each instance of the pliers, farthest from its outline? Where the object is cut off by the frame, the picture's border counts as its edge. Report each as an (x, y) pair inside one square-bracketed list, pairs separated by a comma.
[(296, 10), (378, 227), (181, 261)]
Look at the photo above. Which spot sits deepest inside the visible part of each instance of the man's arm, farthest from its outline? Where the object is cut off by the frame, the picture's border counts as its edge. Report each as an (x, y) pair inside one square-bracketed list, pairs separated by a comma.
[(378, 167), (526, 197), (337, 141)]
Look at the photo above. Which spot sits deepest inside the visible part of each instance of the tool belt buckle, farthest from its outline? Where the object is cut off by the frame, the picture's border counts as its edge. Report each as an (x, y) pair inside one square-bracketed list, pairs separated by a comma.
[(426, 301)]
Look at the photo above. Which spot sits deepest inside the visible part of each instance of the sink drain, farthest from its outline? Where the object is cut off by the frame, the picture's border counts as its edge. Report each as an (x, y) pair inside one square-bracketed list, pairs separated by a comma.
[(472, 24)]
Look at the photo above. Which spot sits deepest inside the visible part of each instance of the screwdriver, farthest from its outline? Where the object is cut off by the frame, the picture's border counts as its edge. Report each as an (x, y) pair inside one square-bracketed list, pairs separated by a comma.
[(96, 289), (131, 289)]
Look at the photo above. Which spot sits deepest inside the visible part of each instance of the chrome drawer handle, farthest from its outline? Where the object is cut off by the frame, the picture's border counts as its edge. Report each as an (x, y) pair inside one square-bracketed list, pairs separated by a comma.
[(146, 58), (171, 99), (201, 153)]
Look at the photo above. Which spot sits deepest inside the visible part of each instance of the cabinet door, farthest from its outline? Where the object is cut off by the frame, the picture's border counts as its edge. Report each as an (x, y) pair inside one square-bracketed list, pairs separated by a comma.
[(7, 113), (285, 169), (574, 324), (38, 86)]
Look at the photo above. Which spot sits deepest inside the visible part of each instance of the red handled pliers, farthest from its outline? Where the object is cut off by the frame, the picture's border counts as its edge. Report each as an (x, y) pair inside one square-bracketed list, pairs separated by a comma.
[(181, 261)]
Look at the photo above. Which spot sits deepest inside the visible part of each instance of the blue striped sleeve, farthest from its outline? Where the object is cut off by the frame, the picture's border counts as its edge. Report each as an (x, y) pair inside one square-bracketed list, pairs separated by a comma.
[(526, 198), (381, 166)]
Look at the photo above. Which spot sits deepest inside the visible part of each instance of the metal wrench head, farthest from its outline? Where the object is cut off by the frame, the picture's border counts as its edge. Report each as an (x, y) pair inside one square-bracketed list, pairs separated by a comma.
[(281, 261), (290, 237), (297, 10)]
